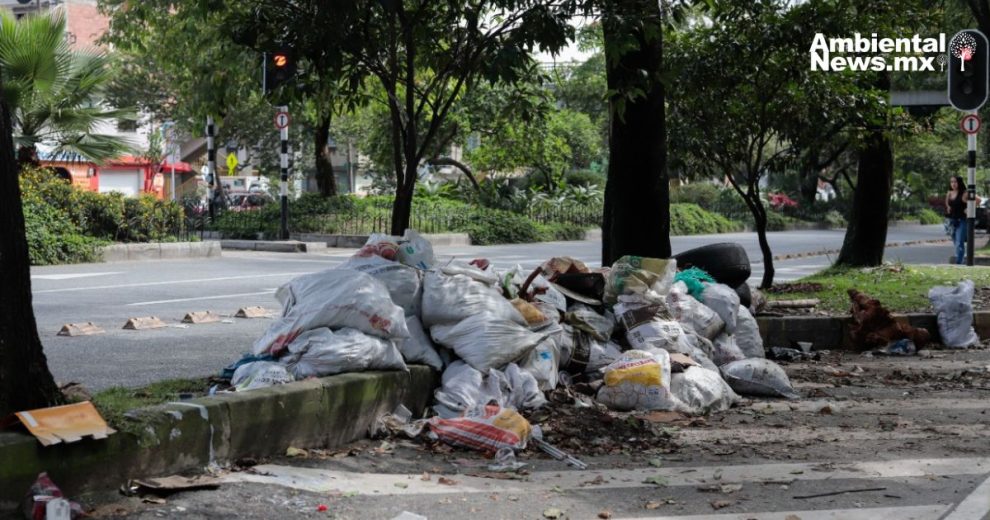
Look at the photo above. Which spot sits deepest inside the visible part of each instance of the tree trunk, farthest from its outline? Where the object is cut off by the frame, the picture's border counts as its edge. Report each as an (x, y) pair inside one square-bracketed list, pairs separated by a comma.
[(636, 218), (402, 207), (866, 234), (761, 235), (325, 179), (447, 161), (25, 381)]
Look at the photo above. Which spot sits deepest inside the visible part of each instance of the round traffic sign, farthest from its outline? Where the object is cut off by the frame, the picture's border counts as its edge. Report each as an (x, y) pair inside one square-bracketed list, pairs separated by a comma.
[(970, 124), (282, 120)]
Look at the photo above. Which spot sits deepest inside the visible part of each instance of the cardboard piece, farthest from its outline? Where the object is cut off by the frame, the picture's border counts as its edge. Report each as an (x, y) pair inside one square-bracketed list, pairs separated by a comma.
[(80, 329), (69, 423), (201, 317), (148, 322), (253, 312), (168, 485)]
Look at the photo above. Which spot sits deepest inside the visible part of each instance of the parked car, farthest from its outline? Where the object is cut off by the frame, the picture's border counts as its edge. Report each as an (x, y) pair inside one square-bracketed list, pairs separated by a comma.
[(247, 201), (981, 214)]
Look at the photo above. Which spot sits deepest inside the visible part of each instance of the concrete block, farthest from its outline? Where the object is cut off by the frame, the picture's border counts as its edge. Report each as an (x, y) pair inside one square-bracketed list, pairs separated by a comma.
[(245, 245), (593, 234), (152, 251), (172, 250), (448, 239), (350, 241), (115, 253)]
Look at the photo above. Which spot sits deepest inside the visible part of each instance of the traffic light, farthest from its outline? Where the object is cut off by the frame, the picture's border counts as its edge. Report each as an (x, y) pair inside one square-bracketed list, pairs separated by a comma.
[(280, 68), (969, 69)]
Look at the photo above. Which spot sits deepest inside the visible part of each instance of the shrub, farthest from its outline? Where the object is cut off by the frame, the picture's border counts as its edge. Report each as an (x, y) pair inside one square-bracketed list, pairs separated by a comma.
[(691, 219), (99, 215), (489, 226), (703, 194), (52, 237), (585, 178), (834, 219)]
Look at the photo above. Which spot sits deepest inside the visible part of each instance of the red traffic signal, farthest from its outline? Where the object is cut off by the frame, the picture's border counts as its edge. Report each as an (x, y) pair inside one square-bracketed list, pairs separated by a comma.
[(280, 68)]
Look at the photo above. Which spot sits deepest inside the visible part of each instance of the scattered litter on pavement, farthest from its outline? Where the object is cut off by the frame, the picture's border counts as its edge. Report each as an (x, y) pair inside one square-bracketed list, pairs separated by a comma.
[(842, 492), (44, 500), (165, 486), (62, 424)]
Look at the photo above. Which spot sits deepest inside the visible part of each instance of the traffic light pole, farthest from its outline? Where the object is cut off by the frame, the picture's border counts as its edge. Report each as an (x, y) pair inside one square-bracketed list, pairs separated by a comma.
[(971, 197), (211, 165), (284, 182)]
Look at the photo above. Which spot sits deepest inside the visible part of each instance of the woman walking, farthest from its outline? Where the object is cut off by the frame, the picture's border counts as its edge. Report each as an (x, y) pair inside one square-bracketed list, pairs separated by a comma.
[(955, 210)]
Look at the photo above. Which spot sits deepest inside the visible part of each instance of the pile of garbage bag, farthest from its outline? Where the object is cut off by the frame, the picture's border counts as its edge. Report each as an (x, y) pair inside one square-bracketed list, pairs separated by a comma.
[(645, 335)]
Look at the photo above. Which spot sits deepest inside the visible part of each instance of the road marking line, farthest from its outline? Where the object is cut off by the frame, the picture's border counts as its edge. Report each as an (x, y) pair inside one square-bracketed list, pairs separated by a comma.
[(68, 276), (976, 505), (931, 512), (218, 297), (321, 481), (171, 282)]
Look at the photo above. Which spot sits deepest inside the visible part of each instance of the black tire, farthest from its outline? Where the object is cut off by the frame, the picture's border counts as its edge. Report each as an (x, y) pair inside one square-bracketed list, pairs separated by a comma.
[(727, 262), (745, 295)]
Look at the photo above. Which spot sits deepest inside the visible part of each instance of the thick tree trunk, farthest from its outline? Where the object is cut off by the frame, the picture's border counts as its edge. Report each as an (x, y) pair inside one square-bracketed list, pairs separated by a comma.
[(25, 381), (325, 179), (402, 207), (866, 234), (637, 198), (761, 235)]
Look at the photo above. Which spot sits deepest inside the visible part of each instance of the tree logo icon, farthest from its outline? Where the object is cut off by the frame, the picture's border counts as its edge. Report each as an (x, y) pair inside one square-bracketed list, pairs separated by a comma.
[(941, 62), (963, 46)]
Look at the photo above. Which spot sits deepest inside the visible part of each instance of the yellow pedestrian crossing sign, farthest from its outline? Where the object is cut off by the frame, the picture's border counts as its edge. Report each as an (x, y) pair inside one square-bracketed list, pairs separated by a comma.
[(231, 163)]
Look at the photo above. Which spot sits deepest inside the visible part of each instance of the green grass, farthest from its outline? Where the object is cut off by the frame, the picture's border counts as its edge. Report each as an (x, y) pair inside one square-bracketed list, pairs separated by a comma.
[(900, 288), (114, 402)]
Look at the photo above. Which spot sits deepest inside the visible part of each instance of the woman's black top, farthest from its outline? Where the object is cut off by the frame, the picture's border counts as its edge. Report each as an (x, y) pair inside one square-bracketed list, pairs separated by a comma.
[(957, 207)]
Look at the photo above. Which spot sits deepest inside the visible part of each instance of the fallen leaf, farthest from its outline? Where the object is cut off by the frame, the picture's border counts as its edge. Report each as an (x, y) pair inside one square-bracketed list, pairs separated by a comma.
[(730, 488), (656, 480), (553, 513), (446, 481), (296, 452), (605, 514), (425, 477), (652, 505), (719, 504)]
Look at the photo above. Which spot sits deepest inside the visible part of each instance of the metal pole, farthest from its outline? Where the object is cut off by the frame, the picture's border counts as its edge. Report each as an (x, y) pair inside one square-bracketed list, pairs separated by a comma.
[(971, 197), (211, 165), (284, 182)]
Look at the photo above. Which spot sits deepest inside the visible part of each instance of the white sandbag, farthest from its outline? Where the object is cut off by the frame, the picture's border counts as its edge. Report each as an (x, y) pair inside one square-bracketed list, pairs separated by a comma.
[(638, 381), (954, 306), (726, 350), (647, 324), (260, 374), (484, 342), (748, 334), (583, 317), (691, 313), (418, 347), (543, 363), (702, 391), (402, 281), (522, 390), (323, 352), (697, 348), (335, 298), (724, 301), (757, 376), (455, 267), (462, 387), (581, 353), (416, 251), (450, 299)]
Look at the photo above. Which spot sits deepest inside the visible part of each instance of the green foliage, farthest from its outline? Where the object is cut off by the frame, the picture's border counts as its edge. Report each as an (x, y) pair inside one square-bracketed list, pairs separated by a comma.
[(704, 194), (52, 236), (585, 178), (835, 220), (691, 219), (56, 95), (927, 216)]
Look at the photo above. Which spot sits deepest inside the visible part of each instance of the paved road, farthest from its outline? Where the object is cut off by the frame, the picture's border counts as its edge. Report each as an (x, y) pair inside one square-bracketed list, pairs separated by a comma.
[(898, 439), (108, 294)]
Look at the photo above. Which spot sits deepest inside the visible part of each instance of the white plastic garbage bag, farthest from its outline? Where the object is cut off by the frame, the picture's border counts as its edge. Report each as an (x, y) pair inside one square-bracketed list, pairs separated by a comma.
[(543, 362), (583, 317), (726, 350), (702, 391), (638, 381), (402, 281), (692, 313), (463, 387), (450, 299), (724, 301), (954, 306), (647, 277), (323, 352), (581, 353), (521, 389), (418, 348), (454, 267), (647, 324), (333, 298), (484, 342), (260, 374), (748, 334), (416, 251), (758, 376)]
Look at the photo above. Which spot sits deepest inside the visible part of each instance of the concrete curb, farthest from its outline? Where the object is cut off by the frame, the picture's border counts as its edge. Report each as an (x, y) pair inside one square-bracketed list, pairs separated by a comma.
[(160, 251), (832, 333), (356, 241), (189, 435), (273, 246)]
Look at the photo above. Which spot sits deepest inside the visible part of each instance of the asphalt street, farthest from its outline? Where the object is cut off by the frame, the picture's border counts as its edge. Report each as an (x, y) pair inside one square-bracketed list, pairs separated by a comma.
[(110, 293)]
